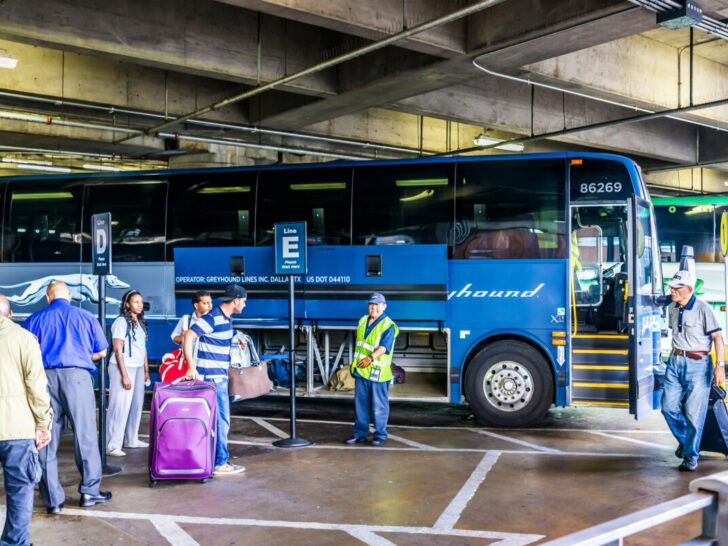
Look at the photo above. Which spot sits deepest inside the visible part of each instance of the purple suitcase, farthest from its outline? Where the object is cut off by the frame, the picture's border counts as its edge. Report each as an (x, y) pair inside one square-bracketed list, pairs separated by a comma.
[(182, 431)]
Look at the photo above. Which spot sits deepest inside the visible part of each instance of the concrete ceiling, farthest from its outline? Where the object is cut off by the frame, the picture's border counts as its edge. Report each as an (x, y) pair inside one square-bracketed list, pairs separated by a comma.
[(98, 78)]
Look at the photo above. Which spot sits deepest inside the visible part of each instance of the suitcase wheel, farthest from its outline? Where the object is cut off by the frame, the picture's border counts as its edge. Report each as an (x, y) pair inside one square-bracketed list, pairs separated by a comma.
[(205, 480), (153, 483)]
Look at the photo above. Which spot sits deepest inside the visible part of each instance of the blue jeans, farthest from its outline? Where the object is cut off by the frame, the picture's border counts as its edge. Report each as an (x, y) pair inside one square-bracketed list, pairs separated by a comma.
[(223, 422), (21, 468), (371, 401), (685, 400)]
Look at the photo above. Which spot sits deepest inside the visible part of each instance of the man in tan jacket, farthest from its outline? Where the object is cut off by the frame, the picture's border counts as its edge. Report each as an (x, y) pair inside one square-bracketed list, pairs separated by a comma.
[(25, 422)]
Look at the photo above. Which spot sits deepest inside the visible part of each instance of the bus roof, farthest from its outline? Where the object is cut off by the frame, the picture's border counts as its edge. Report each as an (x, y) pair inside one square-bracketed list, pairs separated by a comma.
[(692, 200), (329, 164)]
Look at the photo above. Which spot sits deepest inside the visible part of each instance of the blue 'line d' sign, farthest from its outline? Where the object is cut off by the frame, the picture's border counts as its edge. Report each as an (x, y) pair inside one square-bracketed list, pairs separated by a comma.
[(291, 248), (101, 248)]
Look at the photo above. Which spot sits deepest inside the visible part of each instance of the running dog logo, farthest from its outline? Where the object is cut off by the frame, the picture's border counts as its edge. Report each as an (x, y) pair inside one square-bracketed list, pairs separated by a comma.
[(83, 286)]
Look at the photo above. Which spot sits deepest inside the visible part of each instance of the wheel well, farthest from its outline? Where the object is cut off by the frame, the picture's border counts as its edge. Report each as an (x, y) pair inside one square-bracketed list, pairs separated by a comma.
[(510, 337)]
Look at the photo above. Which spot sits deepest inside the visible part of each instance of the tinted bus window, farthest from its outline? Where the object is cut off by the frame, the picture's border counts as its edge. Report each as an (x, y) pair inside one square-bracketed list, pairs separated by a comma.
[(137, 218), (680, 225), (44, 222), (403, 204), (510, 210), (318, 196), (210, 210)]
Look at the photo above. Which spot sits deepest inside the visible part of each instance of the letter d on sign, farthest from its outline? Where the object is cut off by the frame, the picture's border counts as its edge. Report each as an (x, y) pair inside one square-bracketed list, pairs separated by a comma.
[(101, 241)]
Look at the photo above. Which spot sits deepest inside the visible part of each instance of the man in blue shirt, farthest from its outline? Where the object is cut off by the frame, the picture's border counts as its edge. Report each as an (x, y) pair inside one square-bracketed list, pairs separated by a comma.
[(215, 333), (70, 340)]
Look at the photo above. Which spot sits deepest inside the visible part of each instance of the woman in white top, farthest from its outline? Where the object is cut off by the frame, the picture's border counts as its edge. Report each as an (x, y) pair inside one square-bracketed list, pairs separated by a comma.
[(128, 372)]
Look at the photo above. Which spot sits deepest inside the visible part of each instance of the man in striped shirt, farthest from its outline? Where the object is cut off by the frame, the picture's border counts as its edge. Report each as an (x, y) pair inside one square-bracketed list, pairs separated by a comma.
[(215, 333)]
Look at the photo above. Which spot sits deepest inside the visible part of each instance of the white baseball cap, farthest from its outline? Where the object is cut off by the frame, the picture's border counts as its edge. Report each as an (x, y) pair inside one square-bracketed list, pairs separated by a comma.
[(682, 278)]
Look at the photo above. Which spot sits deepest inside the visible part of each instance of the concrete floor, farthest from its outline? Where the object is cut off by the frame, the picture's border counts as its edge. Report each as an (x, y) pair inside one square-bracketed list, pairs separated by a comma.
[(442, 478)]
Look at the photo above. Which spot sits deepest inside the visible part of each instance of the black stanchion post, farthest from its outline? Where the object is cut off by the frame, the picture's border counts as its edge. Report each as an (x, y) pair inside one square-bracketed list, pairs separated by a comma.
[(292, 238), (101, 254)]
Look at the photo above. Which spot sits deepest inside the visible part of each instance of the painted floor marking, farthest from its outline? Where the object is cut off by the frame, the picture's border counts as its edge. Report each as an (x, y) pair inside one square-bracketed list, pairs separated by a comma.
[(514, 440), (173, 533), (412, 443), (367, 537), (505, 539), (454, 510), (630, 440), (270, 428), (454, 450)]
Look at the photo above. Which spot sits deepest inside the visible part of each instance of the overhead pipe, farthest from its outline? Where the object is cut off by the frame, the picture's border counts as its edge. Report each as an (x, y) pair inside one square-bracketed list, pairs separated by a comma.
[(111, 109), (478, 6), (48, 120), (592, 126)]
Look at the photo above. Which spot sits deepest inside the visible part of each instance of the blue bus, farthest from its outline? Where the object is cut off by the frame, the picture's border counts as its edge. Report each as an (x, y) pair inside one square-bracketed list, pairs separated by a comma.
[(518, 281)]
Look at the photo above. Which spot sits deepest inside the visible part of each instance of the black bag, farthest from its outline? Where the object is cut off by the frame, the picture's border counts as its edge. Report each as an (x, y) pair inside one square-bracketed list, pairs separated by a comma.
[(715, 431)]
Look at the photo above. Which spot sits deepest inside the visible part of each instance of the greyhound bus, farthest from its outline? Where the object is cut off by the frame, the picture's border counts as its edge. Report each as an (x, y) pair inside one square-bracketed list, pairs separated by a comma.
[(694, 220), (518, 281)]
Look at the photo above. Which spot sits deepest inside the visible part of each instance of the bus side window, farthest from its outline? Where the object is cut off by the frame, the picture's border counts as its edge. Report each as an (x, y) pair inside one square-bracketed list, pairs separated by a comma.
[(137, 218), (508, 209), (320, 196), (210, 210), (407, 204), (44, 222)]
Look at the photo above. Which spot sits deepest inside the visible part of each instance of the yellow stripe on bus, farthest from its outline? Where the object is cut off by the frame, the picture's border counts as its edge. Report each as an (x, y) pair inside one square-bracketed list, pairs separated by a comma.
[(598, 336), (602, 385), (599, 351), (584, 367), (597, 403)]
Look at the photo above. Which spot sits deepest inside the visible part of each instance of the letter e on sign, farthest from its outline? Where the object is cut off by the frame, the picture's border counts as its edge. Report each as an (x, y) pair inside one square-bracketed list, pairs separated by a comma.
[(290, 247)]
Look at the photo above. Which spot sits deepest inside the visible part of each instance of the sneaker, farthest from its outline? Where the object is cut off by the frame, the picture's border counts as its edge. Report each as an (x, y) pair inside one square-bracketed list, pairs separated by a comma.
[(688, 465), (115, 452), (140, 443), (228, 468)]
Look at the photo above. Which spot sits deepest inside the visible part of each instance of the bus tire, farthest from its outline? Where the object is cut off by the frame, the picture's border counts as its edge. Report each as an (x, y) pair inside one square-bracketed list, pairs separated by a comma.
[(509, 384)]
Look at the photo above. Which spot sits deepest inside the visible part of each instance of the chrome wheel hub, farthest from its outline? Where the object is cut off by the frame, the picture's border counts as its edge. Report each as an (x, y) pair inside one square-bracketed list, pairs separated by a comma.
[(508, 386)]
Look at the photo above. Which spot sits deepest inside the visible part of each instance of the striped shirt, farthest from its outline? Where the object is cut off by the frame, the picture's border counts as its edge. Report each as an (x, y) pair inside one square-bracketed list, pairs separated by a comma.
[(213, 349)]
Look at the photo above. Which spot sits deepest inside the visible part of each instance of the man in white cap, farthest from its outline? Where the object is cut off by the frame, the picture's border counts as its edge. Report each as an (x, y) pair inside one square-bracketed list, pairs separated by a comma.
[(689, 369), (372, 368)]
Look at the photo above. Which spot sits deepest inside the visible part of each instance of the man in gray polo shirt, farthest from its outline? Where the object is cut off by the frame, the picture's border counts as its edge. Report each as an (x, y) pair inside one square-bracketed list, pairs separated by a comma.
[(689, 369)]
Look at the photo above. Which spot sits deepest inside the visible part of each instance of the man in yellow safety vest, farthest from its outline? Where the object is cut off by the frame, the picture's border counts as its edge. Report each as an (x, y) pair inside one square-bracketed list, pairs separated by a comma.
[(372, 369)]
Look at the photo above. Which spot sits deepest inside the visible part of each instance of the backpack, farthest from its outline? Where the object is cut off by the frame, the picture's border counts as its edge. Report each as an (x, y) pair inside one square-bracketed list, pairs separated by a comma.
[(173, 366), (342, 380)]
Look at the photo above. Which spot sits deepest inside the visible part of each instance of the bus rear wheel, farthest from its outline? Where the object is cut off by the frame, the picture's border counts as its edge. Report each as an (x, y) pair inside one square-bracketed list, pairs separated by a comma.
[(509, 384)]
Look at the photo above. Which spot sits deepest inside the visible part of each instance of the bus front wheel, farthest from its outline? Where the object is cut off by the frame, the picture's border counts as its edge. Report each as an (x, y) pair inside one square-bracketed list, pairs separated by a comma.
[(509, 384)]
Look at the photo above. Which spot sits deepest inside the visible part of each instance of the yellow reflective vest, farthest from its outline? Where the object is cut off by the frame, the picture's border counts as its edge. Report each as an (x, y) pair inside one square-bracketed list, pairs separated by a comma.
[(380, 369)]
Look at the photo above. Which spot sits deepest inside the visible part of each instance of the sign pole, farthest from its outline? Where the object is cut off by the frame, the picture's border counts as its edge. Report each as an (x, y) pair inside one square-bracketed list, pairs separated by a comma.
[(290, 251), (724, 251), (101, 237)]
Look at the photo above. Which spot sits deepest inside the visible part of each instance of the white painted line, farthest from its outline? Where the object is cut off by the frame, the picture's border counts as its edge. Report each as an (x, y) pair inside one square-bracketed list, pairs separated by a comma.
[(630, 440), (459, 450), (173, 533), (270, 428), (367, 537), (454, 510), (412, 443), (514, 440), (515, 539)]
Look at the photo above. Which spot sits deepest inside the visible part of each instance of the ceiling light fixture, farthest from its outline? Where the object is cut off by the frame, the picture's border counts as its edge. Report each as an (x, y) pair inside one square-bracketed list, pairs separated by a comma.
[(46, 168), (7, 60), (91, 167), (687, 15), (484, 140)]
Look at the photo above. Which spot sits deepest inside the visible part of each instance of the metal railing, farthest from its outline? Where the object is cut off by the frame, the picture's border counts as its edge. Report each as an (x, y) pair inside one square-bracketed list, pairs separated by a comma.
[(709, 494)]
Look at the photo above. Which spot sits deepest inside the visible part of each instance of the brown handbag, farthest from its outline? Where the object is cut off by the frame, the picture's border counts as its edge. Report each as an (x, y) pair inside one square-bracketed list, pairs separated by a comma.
[(249, 382)]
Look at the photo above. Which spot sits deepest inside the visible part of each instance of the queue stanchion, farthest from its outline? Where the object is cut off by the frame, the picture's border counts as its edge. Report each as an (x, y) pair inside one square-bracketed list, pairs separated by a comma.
[(101, 259), (290, 259)]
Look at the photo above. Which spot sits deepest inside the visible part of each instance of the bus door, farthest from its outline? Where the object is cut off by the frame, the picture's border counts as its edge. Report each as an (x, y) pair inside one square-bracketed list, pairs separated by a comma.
[(643, 313)]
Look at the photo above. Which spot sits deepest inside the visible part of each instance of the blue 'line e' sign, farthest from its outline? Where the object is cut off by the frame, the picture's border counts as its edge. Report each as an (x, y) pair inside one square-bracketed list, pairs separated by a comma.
[(291, 248)]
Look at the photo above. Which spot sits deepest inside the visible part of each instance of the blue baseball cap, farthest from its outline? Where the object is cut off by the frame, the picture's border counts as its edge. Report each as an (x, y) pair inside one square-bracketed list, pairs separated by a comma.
[(377, 298)]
